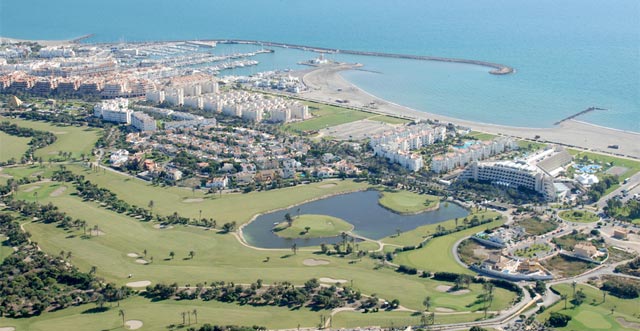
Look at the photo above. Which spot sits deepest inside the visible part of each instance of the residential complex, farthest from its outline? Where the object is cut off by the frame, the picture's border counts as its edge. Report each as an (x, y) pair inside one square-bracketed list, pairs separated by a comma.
[(397, 145), (116, 110), (471, 152)]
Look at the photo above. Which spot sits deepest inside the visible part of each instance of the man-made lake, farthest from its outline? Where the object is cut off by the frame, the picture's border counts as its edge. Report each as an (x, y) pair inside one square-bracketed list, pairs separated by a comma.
[(360, 209)]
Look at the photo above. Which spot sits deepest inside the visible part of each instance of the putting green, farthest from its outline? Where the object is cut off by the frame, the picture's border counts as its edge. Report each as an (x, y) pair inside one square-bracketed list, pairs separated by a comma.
[(312, 226), (592, 320), (404, 202)]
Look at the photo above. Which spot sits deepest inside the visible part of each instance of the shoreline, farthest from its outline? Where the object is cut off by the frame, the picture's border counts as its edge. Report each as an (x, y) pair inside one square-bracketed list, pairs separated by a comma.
[(327, 85)]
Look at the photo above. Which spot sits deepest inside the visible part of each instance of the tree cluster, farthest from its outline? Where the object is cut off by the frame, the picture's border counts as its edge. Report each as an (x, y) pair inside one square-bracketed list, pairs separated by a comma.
[(39, 139)]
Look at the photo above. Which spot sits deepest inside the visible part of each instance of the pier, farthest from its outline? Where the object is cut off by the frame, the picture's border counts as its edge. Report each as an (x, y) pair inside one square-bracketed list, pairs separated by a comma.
[(588, 110), (497, 69)]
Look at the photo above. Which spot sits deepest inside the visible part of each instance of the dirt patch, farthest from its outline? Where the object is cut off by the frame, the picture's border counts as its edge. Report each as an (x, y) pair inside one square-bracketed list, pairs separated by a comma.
[(6, 176), (58, 192), (444, 310), (59, 132), (31, 189), (330, 185), (142, 261), (7, 328), (460, 292), (162, 226), (332, 280), (192, 200), (133, 324), (314, 262), (622, 321), (141, 283), (132, 255)]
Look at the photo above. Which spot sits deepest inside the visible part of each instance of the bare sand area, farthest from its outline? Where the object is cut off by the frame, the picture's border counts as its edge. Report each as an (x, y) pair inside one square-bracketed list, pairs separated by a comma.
[(314, 262), (326, 85), (141, 283), (58, 192), (444, 310), (133, 324), (331, 280), (142, 261), (31, 189), (7, 328), (330, 185), (448, 289), (162, 226), (192, 200), (132, 255)]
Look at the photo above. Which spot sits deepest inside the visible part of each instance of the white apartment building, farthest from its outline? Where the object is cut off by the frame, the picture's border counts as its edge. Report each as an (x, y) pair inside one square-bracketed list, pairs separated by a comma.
[(116, 110), (142, 121), (155, 97), (396, 145), (476, 152)]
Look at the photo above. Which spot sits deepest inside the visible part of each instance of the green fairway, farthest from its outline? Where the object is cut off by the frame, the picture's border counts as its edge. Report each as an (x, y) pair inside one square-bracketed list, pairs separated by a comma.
[(159, 315), (396, 319), (228, 207), (12, 147), (5, 249), (482, 135), (217, 256), (77, 140), (405, 202), (326, 116), (578, 216), (593, 313), (419, 234), (318, 226), (436, 255)]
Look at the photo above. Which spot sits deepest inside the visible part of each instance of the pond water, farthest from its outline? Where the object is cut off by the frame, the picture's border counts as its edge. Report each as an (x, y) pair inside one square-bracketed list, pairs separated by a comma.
[(360, 209)]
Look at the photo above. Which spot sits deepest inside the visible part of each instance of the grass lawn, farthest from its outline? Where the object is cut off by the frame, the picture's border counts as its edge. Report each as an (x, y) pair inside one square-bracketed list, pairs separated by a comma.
[(217, 256), (436, 255), (78, 140), (482, 135), (319, 226), (228, 207), (326, 116), (578, 216), (5, 249), (12, 147), (594, 314), (536, 226), (405, 202), (417, 235), (530, 145), (532, 250)]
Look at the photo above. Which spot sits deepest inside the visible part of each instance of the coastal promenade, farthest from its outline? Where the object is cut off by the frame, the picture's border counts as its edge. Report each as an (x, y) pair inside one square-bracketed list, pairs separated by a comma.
[(327, 85)]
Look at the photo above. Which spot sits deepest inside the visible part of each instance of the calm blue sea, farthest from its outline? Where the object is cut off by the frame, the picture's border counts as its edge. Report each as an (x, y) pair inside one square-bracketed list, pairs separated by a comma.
[(569, 54)]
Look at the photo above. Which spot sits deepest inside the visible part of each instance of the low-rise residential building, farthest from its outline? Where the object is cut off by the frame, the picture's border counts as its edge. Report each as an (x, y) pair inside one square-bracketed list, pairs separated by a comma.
[(116, 110), (218, 182)]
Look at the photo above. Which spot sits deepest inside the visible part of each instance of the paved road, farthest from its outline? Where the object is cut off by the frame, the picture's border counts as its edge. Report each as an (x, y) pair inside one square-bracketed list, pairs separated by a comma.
[(633, 185)]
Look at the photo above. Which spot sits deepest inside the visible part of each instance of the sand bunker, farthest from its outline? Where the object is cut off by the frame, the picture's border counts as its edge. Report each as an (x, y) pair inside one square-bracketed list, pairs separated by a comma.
[(132, 255), (622, 321), (447, 288), (444, 310), (141, 283), (142, 261), (330, 185), (193, 200), (96, 232), (162, 226), (331, 280), (314, 262), (7, 328), (133, 324), (58, 192), (32, 188)]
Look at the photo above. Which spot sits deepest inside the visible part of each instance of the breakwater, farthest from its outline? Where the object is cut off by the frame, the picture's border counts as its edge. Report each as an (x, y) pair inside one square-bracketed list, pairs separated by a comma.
[(588, 110), (497, 68)]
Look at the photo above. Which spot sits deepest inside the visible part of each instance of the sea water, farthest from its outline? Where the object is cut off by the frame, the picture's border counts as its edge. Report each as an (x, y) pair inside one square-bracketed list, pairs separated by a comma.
[(568, 54)]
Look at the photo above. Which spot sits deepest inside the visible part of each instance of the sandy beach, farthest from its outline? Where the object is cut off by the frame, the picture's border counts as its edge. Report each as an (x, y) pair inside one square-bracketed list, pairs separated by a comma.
[(326, 85)]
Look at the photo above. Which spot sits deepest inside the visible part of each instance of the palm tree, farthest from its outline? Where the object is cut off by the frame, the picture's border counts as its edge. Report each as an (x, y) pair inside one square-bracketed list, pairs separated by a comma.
[(192, 254), (172, 254), (427, 303), (184, 315), (564, 297), (195, 314), (151, 203), (145, 252), (121, 313), (604, 296), (294, 248), (93, 270)]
